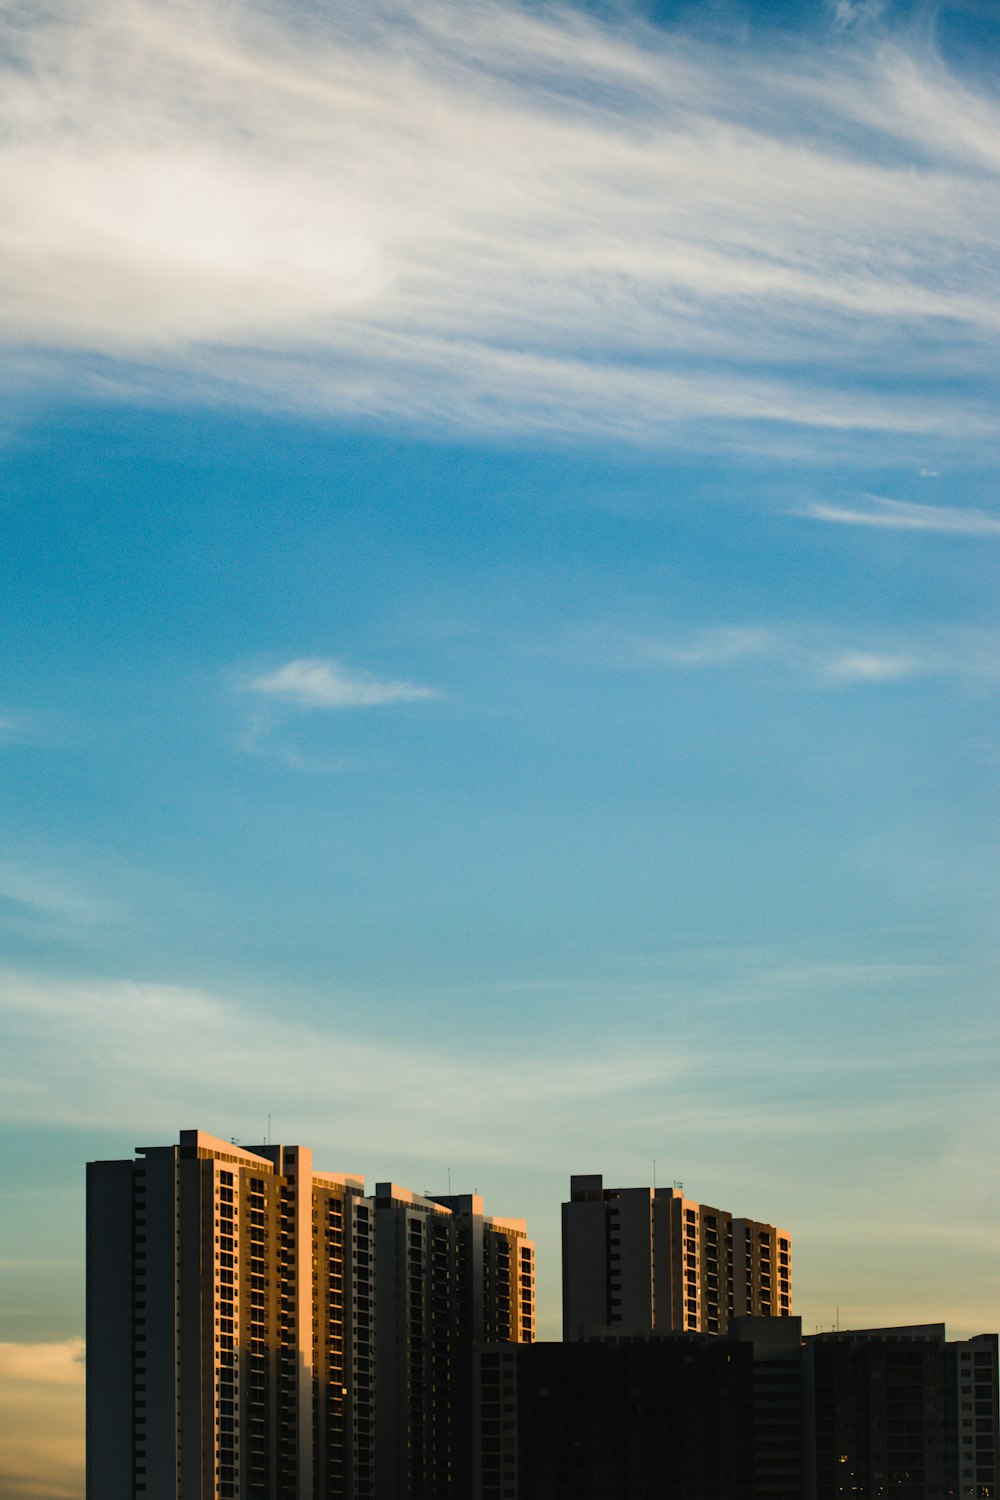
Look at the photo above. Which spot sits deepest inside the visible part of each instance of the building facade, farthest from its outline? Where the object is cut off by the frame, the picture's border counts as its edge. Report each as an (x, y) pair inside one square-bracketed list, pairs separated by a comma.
[(664, 1418), (449, 1276), (649, 1260), (247, 1319), (757, 1414), (903, 1412)]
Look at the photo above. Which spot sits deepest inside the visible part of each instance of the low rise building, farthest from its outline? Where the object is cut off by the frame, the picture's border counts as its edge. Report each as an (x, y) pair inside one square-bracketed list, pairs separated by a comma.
[(757, 1414)]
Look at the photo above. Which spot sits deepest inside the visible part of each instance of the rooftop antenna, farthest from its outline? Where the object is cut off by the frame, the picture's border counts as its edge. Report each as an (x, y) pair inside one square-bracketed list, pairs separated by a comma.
[(269, 1130), (654, 1174), (449, 1182)]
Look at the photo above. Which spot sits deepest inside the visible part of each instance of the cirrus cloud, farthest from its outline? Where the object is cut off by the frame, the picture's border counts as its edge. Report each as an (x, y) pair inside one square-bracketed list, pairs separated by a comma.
[(499, 218), (811, 652), (905, 515)]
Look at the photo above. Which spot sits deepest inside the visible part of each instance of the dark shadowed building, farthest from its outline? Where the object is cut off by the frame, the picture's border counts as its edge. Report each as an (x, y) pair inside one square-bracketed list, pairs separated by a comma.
[(637, 1418), (759, 1414), (644, 1419), (899, 1412)]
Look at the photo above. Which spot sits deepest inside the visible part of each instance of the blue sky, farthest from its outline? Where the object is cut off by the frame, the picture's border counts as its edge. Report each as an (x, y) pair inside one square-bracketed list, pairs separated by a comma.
[(499, 551)]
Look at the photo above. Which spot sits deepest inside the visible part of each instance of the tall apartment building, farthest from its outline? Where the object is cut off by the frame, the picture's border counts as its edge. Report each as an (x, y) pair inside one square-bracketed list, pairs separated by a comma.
[(449, 1276), (236, 1300), (648, 1260)]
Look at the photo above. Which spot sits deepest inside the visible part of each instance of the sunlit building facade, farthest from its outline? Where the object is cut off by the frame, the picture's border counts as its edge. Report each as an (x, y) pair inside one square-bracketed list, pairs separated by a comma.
[(248, 1319), (649, 1260)]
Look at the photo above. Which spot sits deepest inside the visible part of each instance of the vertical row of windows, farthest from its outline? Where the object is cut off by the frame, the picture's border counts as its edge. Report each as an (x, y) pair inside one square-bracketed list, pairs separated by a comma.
[(717, 1286), (329, 1384), (227, 1386), (613, 1231), (256, 1340), (692, 1308), (362, 1306), (286, 1403), (527, 1293)]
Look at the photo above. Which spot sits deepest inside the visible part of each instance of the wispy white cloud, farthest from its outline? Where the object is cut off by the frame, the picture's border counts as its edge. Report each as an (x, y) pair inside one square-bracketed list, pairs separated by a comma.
[(23, 728), (42, 1419), (319, 682), (13, 730), (819, 654), (93, 1054), (712, 648), (261, 737), (873, 666), (906, 515), (848, 13), (39, 892), (499, 217)]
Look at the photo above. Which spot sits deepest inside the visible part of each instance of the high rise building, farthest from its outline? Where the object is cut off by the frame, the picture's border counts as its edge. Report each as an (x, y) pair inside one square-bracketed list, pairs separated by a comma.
[(448, 1277), (649, 1260), (248, 1319)]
